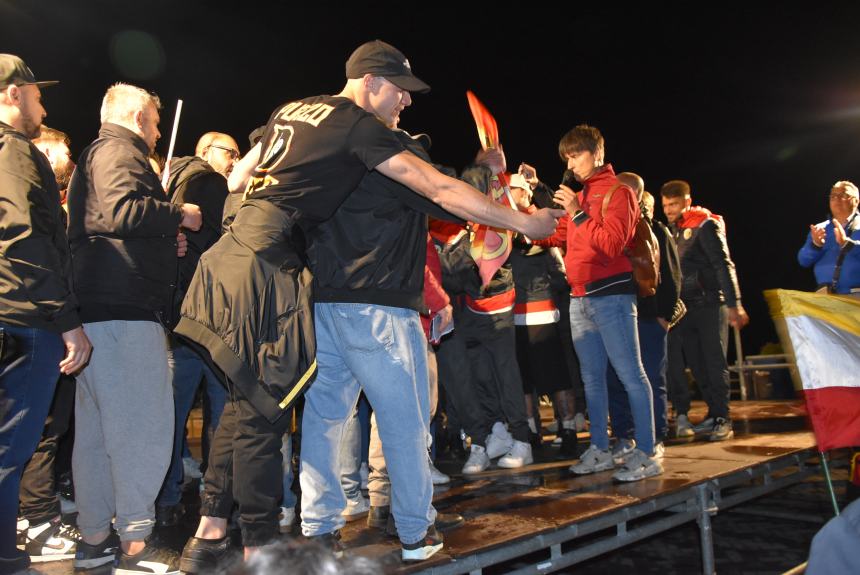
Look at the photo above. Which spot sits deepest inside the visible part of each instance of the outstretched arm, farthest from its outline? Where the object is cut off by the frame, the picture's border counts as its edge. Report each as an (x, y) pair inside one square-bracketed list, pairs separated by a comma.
[(463, 200)]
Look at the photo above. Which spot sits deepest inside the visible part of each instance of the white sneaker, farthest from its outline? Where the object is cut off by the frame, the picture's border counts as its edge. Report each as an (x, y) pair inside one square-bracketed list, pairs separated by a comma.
[(191, 467), (519, 455), (683, 428), (437, 476), (498, 445), (638, 466), (622, 450), (286, 518), (356, 508), (659, 451), (579, 422), (364, 472), (477, 462), (593, 460)]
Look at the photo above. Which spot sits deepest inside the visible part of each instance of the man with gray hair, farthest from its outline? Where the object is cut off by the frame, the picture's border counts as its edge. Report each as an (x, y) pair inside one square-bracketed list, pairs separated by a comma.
[(125, 240)]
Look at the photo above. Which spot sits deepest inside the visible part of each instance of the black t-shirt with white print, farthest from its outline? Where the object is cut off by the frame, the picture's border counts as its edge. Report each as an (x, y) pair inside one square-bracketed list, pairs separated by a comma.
[(314, 154)]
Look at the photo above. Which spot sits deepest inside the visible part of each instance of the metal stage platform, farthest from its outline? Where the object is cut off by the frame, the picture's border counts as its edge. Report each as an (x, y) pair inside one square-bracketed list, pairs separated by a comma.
[(543, 518)]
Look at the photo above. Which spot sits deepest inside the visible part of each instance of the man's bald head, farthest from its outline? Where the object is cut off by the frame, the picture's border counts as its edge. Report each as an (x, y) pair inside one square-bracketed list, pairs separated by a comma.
[(219, 150), (634, 181)]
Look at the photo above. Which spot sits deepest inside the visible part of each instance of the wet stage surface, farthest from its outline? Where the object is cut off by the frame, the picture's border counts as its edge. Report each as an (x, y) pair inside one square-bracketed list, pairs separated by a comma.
[(504, 506)]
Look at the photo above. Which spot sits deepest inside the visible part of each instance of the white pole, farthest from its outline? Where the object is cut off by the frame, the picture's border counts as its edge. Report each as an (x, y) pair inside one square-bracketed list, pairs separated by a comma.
[(166, 174)]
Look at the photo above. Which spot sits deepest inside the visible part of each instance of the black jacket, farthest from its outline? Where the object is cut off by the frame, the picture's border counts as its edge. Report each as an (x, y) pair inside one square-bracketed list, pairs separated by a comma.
[(374, 248), (122, 231), (35, 263), (708, 273), (666, 302), (192, 180)]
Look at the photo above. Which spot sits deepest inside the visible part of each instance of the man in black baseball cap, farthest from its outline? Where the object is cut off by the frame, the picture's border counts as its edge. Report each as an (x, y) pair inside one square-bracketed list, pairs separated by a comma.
[(379, 58), (40, 330), (14, 72)]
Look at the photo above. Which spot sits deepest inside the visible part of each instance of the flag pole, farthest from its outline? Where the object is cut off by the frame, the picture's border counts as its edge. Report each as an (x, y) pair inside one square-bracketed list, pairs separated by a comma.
[(829, 482), (166, 175)]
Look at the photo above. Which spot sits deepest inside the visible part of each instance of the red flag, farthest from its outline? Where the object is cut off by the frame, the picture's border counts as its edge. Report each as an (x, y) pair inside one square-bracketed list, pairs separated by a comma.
[(490, 246)]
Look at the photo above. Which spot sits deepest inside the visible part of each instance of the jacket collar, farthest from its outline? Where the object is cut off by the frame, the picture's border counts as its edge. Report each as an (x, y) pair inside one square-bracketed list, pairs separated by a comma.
[(110, 130)]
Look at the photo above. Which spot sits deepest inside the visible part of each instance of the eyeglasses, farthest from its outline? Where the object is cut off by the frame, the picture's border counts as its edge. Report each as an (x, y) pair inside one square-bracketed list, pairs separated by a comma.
[(234, 154), (841, 196)]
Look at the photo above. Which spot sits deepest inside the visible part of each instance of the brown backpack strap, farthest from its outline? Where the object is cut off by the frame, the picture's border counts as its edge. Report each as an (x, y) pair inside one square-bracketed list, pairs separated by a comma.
[(606, 199)]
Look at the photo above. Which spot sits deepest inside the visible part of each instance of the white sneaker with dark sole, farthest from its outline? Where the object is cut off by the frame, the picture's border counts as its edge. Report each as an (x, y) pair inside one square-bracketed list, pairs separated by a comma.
[(428, 546)]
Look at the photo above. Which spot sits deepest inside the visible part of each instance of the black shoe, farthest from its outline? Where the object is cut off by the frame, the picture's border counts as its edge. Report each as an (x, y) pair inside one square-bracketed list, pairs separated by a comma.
[(91, 556), (330, 542), (18, 562), (203, 555), (569, 444), (423, 549), (378, 516), (169, 515), (535, 440), (444, 522), (458, 452), (152, 559)]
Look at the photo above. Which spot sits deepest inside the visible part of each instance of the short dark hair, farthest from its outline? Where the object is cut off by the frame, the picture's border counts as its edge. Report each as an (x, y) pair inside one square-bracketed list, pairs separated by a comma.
[(579, 139), (675, 189)]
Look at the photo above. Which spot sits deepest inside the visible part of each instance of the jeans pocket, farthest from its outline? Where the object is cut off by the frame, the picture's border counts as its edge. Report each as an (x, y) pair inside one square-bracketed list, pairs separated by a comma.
[(364, 328)]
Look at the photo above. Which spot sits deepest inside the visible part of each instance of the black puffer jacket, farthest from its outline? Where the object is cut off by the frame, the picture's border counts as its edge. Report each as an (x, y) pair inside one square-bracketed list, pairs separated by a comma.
[(122, 231)]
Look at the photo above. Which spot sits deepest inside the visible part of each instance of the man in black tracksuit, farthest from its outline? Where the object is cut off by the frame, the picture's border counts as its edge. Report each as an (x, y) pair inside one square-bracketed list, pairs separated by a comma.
[(713, 299)]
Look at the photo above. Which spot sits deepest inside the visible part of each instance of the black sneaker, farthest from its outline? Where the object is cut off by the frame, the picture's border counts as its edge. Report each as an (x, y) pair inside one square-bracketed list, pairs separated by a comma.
[(51, 541), (169, 515), (91, 556), (16, 563), (424, 548), (152, 559), (721, 430), (444, 522), (330, 542), (203, 555)]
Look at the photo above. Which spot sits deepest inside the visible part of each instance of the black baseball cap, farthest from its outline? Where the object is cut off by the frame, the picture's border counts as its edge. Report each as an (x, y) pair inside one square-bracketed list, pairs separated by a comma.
[(382, 59), (13, 71)]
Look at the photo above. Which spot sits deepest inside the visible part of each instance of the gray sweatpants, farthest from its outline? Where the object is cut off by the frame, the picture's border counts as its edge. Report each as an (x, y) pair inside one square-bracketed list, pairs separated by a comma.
[(123, 428)]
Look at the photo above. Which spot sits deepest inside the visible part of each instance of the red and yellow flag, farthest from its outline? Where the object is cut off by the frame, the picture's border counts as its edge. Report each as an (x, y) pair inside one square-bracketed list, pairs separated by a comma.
[(490, 246)]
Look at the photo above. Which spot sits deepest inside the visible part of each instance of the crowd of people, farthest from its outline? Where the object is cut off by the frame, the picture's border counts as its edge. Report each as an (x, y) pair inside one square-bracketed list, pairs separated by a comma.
[(323, 269)]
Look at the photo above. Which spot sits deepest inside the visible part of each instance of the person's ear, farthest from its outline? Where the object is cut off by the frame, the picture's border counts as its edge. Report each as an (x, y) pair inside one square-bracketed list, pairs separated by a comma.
[(138, 119)]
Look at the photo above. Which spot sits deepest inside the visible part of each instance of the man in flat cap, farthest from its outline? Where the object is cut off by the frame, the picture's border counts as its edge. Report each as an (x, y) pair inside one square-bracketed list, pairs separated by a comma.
[(40, 331), (313, 155)]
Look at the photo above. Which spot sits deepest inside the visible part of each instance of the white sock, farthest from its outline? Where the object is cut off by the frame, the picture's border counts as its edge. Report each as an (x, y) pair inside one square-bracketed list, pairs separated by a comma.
[(568, 424), (532, 424)]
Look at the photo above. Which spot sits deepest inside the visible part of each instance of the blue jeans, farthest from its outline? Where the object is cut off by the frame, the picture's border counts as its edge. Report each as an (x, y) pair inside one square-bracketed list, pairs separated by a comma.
[(381, 350), (27, 385), (350, 459), (604, 327), (652, 342), (186, 370)]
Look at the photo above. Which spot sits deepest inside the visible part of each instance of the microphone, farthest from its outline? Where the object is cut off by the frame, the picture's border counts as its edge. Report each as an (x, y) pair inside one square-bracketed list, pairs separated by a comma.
[(568, 179)]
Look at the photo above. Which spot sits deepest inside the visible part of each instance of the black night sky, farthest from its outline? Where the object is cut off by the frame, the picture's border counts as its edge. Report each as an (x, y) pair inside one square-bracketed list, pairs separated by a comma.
[(759, 108)]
